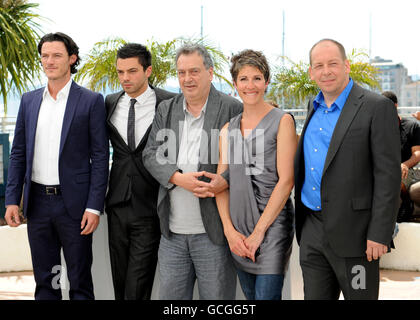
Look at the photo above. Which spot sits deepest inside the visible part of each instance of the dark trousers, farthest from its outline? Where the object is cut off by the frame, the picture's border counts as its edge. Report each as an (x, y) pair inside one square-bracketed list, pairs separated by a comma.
[(133, 248), (325, 274), (51, 228)]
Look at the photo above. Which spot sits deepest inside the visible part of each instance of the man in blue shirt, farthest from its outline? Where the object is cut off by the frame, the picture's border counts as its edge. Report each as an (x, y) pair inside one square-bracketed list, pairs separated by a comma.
[(347, 178)]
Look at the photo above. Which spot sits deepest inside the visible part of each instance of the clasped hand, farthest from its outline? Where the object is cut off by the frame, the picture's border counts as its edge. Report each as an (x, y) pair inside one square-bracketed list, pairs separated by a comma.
[(242, 246), (190, 181)]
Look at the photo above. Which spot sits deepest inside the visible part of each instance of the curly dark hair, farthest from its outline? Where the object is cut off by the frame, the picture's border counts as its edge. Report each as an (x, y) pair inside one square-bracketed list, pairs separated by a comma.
[(70, 45)]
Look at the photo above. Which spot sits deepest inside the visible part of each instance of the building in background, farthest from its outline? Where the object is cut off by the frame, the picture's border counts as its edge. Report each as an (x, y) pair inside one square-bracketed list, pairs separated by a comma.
[(392, 76), (411, 94)]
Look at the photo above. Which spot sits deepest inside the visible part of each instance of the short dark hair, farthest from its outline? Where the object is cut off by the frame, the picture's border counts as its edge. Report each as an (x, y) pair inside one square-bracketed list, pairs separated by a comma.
[(70, 45), (338, 44), (132, 50), (249, 58), (391, 95)]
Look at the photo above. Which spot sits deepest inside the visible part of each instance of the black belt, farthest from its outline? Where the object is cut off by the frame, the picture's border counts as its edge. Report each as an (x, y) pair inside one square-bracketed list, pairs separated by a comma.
[(42, 189)]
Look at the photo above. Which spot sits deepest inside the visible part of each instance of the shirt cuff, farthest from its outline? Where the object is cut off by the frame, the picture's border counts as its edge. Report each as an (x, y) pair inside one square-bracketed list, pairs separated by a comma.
[(171, 186), (98, 213)]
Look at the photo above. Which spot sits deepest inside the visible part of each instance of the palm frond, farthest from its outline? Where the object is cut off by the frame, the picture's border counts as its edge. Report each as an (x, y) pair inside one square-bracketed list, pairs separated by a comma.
[(292, 85), (19, 35), (99, 66)]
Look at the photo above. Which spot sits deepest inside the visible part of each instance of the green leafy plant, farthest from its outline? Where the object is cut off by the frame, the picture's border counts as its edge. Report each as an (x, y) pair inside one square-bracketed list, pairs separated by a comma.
[(19, 59), (291, 84), (99, 67)]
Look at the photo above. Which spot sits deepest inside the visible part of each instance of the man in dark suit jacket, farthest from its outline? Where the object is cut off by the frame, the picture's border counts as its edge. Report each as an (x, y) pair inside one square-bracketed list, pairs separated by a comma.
[(410, 157), (60, 156), (131, 201), (347, 178), (182, 148)]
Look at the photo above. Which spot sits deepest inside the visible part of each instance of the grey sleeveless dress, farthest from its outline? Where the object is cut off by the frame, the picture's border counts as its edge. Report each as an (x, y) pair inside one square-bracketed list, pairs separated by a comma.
[(253, 176)]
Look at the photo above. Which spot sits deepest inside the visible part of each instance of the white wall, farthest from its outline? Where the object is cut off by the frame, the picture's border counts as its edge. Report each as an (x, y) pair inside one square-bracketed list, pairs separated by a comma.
[(406, 255), (15, 254)]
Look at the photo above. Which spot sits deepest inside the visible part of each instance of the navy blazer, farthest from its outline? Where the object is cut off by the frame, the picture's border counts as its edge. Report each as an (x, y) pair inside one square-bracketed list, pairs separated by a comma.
[(84, 151)]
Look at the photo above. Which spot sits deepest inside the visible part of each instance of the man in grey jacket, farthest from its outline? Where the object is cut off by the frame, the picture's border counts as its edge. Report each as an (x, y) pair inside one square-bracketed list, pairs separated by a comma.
[(182, 155)]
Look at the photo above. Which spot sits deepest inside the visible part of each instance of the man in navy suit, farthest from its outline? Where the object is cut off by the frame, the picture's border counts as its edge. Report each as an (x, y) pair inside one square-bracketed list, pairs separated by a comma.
[(60, 157)]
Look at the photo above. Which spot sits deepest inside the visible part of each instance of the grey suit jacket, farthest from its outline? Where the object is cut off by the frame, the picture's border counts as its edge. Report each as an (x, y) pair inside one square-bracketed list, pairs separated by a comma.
[(361, 177), (161, 153)]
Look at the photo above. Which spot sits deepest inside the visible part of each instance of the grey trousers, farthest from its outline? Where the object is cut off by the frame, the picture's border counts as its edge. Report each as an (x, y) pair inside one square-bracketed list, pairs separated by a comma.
[(325, 274), (185, 258)]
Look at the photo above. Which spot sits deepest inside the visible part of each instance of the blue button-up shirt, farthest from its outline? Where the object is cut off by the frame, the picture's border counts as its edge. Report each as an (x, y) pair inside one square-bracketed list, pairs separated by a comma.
[(316, 143)]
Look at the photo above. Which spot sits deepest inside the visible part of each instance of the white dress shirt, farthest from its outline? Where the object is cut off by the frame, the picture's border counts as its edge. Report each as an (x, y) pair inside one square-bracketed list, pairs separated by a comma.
[(48, 136), (144, 114)]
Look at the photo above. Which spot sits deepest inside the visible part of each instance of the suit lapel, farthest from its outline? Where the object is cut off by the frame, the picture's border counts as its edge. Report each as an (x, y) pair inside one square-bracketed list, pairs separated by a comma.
[(210, 117), (111, 125), (36, 105), (176, 117), (159, 99), (311, 111), (71, 107), (350, 109), (212, 110), (302, 134), (113, 106)]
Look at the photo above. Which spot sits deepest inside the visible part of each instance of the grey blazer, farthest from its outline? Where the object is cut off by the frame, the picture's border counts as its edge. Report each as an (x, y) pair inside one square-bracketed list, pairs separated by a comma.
[(361, 177), (160, 160)]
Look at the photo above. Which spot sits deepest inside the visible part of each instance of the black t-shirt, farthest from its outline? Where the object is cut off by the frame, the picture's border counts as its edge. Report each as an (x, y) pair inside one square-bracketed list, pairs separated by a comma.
[(410, 137)]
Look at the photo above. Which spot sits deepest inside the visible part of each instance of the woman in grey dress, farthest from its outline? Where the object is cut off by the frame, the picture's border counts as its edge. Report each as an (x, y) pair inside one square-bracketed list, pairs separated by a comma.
[(257, 147)]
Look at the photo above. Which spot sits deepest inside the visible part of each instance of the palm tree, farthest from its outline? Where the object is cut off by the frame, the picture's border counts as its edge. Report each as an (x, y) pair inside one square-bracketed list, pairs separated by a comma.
[(291, 83), (162, 61), (19, 60), (220, 60), (99, 68)]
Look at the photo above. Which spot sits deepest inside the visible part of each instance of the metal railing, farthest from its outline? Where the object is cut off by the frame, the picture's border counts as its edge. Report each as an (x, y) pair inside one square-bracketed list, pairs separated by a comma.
[(7, 124)]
